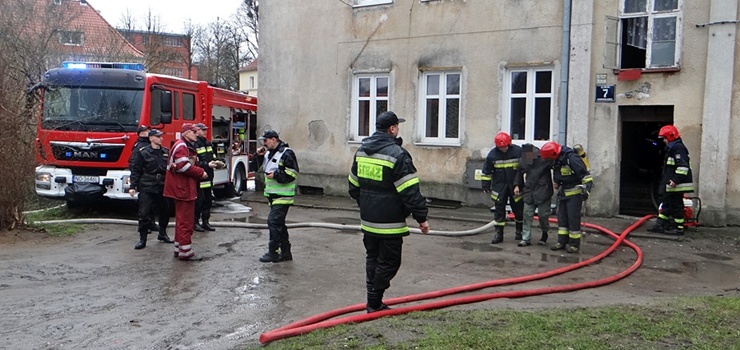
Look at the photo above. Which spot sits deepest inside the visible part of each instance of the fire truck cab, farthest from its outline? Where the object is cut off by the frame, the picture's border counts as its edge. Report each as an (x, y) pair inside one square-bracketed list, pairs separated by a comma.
[(90, 113)]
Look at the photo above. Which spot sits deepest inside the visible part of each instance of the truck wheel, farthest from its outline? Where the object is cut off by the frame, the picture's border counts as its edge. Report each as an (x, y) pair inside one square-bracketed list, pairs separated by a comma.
[(239, 180)]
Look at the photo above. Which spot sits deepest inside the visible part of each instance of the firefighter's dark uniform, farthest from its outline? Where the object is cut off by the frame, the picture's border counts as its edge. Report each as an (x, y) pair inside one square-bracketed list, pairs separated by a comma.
[(141, 143), (383, 181), (203, 204), (147, 178), (574, 185), (499, 173), (676, 168), (280, 193)]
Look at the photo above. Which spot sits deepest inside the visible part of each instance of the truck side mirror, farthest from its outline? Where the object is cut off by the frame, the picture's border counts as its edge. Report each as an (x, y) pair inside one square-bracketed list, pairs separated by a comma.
[(165, 106)]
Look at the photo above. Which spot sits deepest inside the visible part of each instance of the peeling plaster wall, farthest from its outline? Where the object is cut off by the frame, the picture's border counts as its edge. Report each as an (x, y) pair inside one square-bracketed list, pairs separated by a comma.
[(310, 50)]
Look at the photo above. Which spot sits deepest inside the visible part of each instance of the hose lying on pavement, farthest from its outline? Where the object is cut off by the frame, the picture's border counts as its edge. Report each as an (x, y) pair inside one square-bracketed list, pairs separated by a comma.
[(320, 321), (264, 226)]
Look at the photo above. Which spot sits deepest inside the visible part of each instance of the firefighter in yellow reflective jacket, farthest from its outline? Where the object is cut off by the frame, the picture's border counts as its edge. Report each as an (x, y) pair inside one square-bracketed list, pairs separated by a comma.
[(499, 172), (203, 204), (574, 183), (383, 182), (281, 173)]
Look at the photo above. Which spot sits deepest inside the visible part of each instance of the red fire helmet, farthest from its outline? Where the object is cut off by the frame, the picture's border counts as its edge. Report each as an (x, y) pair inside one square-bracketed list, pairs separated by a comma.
[(669, 132), (550, 150), (502, 139)]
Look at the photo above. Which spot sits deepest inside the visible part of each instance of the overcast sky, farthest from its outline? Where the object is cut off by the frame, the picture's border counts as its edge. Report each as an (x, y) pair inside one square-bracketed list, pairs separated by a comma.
[(172, 13)]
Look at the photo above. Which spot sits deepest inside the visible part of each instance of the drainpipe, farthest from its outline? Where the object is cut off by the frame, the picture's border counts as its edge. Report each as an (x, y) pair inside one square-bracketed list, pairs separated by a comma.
[(564, 68)]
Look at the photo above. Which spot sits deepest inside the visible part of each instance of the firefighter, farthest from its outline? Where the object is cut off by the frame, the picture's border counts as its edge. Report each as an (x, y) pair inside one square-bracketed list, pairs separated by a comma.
[(181, 184), (147, 177), (203, 204), (573, 183), (383, 181), (281, 172), (141, 142), (499, 172), (675, 181)]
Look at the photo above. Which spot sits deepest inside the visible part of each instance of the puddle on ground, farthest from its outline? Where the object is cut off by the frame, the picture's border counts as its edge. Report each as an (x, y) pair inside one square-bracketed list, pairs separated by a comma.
[(562, 259), (712, 256), (479, 247), (712, 271)]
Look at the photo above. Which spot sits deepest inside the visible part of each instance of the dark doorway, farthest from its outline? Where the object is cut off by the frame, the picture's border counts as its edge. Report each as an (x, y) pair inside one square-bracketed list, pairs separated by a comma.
[(642, 157)]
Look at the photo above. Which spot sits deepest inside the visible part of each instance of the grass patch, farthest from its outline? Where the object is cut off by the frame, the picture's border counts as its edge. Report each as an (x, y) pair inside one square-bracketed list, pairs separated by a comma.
[(685, 323), (60, 213)]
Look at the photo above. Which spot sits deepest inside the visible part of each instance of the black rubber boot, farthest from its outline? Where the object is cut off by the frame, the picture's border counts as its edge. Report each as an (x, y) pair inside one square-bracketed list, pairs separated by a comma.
[(562, 242), (375, 301), (285, 254), (141, 244), (574, 245), (499, 236), (198, 228), (164, 238), (207, 226), (659, 226), (270, 256)]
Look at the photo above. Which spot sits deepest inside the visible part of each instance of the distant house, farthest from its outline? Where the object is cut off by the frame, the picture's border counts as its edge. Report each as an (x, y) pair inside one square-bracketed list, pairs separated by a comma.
[(165, 53), (248, 78), (82, 34)]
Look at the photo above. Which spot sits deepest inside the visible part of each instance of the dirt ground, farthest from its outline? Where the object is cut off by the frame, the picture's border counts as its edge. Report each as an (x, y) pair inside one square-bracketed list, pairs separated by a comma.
[(94, 291)]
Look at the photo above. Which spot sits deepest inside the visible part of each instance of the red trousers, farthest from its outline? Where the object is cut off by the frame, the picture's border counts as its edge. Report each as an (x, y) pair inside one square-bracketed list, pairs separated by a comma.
[(184, 223)]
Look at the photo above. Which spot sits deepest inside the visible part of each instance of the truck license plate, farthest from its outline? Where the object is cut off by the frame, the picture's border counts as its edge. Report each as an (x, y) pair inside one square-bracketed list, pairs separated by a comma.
[(84, 178)]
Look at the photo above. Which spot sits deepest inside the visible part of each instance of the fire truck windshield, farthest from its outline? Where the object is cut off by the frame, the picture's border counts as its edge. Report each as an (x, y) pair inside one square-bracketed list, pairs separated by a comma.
[(91, 109)]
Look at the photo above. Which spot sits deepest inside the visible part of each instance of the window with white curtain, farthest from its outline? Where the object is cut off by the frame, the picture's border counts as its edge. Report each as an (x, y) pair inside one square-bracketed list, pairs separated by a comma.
[(439, 109), (370, 97)]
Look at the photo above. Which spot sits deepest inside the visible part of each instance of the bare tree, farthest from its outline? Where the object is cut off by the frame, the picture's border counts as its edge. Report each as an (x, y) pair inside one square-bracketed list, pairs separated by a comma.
[(28, 37), (246, 20)]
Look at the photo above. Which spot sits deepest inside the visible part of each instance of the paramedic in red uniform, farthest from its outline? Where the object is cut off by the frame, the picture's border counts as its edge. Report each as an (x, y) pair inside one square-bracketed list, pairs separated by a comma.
[(181, 184)]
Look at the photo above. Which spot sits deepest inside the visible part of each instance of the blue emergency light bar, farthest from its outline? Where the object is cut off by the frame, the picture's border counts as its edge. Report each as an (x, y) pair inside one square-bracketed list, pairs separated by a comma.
[(109, 65)]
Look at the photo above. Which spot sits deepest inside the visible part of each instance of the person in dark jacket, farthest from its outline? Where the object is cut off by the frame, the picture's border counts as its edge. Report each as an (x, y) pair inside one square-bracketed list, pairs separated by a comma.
[(281, 173), (574, 183), (142, 142), (675, 181), (383, 181), (534, 183), (497, 179), (147, 177), (203, 204)]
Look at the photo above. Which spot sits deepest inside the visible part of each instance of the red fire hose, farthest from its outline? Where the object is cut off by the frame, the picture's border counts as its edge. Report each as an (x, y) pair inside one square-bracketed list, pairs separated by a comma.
[(320, 321)]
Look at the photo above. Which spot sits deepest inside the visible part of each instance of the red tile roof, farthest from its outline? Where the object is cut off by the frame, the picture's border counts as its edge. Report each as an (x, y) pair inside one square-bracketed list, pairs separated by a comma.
[(101, 40), (250, 67)]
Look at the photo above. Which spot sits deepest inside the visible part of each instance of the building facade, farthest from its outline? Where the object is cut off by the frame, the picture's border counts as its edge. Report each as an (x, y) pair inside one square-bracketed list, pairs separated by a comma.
[(165, 53), (248, 78), (606, 75)]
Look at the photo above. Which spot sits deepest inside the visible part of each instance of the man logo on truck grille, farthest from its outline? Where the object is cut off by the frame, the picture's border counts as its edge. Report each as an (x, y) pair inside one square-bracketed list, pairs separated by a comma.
[(85, 154)]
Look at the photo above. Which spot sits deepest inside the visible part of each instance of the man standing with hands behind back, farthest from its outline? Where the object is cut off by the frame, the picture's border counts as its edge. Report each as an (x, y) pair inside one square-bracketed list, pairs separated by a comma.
[(383, 182)]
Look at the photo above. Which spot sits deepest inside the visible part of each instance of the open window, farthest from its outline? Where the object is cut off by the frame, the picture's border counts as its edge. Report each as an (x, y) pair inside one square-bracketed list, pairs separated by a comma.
[(646, 35)]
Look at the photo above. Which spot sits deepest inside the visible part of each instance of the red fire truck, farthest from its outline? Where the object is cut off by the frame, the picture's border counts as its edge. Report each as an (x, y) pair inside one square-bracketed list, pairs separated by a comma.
[(88, 120)]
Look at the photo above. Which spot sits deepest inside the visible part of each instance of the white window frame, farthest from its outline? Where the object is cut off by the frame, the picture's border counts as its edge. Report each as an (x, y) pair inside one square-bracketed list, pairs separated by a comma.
[(71, 37), (362, 3), (440, 140), (354, 133), (531, 97), (651, 17)]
